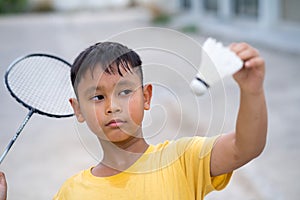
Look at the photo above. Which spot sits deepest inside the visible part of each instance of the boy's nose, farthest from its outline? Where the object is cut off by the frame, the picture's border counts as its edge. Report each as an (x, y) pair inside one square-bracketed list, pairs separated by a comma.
[(113, 107)]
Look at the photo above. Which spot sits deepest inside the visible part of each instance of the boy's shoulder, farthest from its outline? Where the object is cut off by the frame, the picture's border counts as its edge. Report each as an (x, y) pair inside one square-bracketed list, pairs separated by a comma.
[(179, 150), (188, 143), (78, 178)]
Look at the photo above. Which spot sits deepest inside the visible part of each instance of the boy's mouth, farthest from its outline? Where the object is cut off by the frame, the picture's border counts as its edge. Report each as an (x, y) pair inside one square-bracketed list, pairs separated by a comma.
[(115, 123)]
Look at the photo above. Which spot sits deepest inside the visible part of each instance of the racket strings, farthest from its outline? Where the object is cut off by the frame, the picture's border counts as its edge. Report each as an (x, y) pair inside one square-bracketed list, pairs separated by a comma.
[(42, 83)]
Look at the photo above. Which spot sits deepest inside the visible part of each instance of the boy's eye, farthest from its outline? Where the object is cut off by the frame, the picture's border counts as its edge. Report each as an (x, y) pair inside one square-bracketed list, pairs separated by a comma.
[(125, 92), (97, 98)]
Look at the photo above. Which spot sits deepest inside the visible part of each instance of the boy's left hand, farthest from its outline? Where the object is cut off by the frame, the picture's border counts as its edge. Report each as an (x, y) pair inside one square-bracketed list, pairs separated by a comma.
[(250, 78), (3, 186)]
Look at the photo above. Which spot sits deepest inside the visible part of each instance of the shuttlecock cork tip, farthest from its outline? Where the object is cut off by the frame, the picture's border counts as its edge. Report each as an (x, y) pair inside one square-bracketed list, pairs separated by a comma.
[(198, 87)]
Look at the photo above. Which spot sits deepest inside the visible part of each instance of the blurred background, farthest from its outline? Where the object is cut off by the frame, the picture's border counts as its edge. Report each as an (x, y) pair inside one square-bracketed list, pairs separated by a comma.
[(51, 150)]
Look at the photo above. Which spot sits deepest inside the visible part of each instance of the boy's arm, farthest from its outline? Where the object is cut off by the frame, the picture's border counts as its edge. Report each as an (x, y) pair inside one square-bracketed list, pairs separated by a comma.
[(233, 150), (3, 187)]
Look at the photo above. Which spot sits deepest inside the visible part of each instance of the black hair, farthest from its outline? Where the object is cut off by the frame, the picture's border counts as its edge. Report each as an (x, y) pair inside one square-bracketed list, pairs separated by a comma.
[(106, 55)]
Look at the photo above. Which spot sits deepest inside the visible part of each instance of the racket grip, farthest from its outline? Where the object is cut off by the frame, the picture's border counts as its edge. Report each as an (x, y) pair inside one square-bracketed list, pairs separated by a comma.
[(12, 141)]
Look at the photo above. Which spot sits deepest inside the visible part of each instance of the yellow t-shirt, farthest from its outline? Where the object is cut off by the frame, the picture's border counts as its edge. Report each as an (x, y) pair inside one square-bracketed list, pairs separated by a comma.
[(174, 170)]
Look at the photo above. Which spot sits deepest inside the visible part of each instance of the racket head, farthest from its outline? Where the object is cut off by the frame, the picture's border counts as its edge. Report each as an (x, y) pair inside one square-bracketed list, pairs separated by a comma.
[(41, 82)]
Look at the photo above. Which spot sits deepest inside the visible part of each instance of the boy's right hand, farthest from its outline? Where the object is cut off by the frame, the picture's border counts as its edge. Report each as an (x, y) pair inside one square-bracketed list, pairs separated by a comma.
[(3, 187)]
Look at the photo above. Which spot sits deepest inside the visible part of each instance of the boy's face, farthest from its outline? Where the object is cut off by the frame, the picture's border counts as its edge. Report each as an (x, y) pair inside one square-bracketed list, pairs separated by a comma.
[(112, 105)]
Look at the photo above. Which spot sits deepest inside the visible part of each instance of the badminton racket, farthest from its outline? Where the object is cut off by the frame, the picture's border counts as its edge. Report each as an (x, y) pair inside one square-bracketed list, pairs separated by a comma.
[(41, 83)]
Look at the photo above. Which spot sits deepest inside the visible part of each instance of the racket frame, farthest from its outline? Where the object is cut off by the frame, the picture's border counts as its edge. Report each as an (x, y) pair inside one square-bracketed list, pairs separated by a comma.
[(31, 109), (20, 100)]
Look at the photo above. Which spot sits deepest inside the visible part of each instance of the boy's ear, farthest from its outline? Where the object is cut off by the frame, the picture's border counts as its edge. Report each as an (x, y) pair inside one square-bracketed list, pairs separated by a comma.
[(76, 108), (147, 96)]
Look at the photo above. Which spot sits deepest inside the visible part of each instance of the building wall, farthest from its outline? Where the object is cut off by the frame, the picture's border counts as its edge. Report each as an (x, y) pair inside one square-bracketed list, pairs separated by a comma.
[(267, 12), (273, 23), (290, 10), (79, 4)]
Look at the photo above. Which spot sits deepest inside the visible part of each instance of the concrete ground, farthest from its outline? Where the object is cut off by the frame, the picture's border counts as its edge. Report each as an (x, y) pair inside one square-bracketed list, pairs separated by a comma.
[(51, 150)]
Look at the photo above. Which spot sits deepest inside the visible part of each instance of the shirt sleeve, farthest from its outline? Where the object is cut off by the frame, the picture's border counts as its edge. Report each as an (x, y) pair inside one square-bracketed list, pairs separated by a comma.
[(67, 189), (60, 194), (196, 163), (217, 182)]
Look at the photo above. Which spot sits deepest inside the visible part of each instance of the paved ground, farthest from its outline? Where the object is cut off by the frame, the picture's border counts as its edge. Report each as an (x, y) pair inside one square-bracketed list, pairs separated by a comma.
[(50, 150)]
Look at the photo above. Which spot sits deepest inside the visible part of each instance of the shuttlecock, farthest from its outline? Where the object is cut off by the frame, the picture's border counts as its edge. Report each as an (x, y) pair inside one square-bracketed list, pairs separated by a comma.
[(217, 62)]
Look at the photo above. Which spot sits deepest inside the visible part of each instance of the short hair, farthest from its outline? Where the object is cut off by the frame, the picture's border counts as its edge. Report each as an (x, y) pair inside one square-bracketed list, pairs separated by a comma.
[(106, 55)]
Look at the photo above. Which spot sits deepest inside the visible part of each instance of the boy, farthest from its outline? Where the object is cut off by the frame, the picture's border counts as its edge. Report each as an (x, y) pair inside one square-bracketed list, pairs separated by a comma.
[(111, 98)]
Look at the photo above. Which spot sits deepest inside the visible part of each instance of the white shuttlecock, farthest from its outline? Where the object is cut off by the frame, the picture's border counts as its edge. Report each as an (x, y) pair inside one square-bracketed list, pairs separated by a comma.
[(217, 62)]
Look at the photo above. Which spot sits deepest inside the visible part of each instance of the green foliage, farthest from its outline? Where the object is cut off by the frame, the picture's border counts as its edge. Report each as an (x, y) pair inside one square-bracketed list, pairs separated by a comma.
[(190, 28), (13, 6), (161, 19)]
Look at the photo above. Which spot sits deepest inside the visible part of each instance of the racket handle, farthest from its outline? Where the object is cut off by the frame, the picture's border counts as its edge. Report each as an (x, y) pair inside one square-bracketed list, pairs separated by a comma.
[(12, 141)]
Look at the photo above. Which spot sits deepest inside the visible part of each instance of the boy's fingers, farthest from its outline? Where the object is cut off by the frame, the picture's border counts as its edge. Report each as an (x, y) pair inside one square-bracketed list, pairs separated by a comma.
[(2, 177), (248, 53), (3, 186), (238, 47), (255, 62), (232, 45)]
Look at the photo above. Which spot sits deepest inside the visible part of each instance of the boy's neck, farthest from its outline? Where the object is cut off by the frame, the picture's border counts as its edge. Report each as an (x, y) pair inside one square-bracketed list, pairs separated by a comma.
[(118, 157)]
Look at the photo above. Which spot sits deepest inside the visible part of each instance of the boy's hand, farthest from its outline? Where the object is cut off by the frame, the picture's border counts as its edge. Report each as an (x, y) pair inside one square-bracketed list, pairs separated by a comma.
[(3, 187), (250, 77)]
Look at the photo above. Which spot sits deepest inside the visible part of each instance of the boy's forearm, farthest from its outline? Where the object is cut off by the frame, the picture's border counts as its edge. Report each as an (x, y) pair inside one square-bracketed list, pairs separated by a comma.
[(251, 127)]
